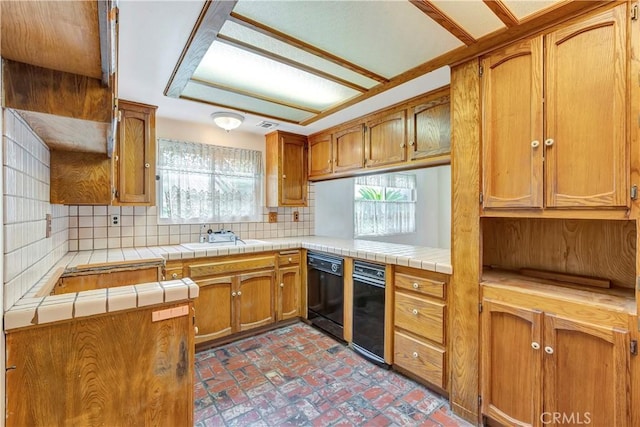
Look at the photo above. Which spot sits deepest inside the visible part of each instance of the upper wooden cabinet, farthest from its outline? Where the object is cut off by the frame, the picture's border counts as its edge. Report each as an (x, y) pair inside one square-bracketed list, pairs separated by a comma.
[(583, 140), (429, 130), (286, 169), (386, 138), (348, 148), (320, 155), (135, 155)]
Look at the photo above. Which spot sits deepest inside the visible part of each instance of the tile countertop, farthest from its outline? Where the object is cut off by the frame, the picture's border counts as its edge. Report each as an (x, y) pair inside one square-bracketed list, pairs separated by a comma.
[(33, 310)]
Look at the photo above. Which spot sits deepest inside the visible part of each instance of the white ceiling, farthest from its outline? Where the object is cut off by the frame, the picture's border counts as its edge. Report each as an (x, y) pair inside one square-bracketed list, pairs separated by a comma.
[(152, 36)]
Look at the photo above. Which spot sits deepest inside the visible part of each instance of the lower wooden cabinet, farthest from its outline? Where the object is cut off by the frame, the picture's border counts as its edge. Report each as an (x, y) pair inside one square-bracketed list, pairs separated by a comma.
[(288, 301), (108, 279), (214, 308), (254, 300), (537, 364), (419, 320)]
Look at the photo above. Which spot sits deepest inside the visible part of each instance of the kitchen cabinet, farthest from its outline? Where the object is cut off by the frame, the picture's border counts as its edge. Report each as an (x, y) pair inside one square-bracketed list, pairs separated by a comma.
[(320, 155), (289, 286), (573, 152), (429, 127), (135, 155), (348, 149), (286, 170), (419, 324), (72, 283), (79, 178), (120, 368), (235, 295), (535, 362), (385, 138)]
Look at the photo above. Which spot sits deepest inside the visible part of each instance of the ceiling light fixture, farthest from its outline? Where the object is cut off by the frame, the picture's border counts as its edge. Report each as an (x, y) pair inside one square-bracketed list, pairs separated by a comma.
[(227, 120)]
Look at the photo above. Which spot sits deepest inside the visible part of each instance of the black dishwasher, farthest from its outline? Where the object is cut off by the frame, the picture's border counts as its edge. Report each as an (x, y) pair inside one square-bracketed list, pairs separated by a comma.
[(325, 293), (368, 310)]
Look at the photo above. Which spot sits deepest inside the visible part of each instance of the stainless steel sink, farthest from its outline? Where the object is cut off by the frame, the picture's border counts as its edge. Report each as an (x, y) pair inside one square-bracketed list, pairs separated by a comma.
[(207, 245)]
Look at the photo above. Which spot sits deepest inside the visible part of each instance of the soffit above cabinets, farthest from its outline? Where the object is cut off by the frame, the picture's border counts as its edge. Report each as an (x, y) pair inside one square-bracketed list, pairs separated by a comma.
[(299, 61)]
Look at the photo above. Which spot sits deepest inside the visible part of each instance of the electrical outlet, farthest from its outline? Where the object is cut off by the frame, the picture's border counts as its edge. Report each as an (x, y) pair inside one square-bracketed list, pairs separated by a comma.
[(296, 216), (273, 216), (115, 220)]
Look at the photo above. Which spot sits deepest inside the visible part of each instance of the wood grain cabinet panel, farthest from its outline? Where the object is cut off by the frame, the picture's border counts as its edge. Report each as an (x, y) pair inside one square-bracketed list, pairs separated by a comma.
[(420, 316), (136, 154), (420, 358), (286, 183), (386, 139), (534, 363), (215, 312), (320, 155), (348, 149), (430, 129), (570, 150), (255, 299), (289, 288), (81, 178)]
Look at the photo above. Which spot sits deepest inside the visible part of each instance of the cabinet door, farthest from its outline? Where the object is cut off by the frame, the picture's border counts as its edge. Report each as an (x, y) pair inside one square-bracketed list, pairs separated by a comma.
[(586, 372), (586, 146), (430, 129), (293, 180), (512, 145), (386, 139), (288, 292), (136, 155), (511, 364), (214, 309), (320, 162), (348, 148), (255, 300)]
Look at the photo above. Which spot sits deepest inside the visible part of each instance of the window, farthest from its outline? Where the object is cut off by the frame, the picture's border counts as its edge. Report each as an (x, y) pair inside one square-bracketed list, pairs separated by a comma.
[(201, 182), (385, 205)]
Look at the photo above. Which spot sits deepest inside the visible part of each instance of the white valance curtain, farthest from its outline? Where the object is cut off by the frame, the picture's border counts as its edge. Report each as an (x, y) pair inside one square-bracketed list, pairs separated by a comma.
[(385, 205), (201, 182)]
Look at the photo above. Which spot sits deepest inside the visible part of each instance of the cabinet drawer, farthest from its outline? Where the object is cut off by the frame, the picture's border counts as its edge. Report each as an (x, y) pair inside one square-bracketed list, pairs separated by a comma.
[(230, 266), (419, 316), (420, 358), (285, 259), (428, 286)]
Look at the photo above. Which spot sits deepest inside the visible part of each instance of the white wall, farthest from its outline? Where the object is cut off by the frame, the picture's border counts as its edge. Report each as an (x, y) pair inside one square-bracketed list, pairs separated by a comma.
[(334, 209)]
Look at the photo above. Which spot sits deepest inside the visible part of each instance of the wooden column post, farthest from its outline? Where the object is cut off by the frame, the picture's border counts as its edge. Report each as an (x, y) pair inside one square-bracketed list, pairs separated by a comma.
[(465, 245)]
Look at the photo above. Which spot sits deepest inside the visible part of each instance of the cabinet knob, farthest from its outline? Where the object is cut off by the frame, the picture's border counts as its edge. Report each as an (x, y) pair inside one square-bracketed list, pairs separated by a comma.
[(535, 345), (233, 294), (284, 176), (239, 293), (290, 259), (402, 145), (147, 165), (415, 354), (329, 161), (195, 329), (415, 285), (282, 285), (174, 276), (548, 350), (549, 142), (535, 144), (415, 311), (411, 143)]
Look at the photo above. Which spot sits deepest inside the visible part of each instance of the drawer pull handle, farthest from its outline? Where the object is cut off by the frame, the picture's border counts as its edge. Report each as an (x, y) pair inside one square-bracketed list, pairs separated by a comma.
[(282, 285), (174, 276), (290, 259), (535, 345), (415, 311), (415, 354), (415, 285), (548, 350)]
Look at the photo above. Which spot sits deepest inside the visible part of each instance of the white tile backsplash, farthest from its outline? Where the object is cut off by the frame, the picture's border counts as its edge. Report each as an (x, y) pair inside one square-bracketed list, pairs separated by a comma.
[(28, 254)]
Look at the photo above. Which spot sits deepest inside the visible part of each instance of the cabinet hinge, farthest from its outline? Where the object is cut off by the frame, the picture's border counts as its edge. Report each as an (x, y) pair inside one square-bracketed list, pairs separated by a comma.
[(633, 347), (479, 307), (480, 70), (634, 12), (479, 401), (481, 198), (634, 192)]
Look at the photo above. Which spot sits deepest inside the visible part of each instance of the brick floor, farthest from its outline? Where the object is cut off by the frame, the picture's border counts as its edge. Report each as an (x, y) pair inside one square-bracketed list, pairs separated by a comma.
[(297, 376)]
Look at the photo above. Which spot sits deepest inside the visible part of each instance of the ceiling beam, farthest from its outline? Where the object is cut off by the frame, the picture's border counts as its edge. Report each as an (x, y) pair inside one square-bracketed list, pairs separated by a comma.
[(254, 95), (444, 21), (278, 58), (242, 110), (285, 38), (532, 25), (502, 12), (212, 17)]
